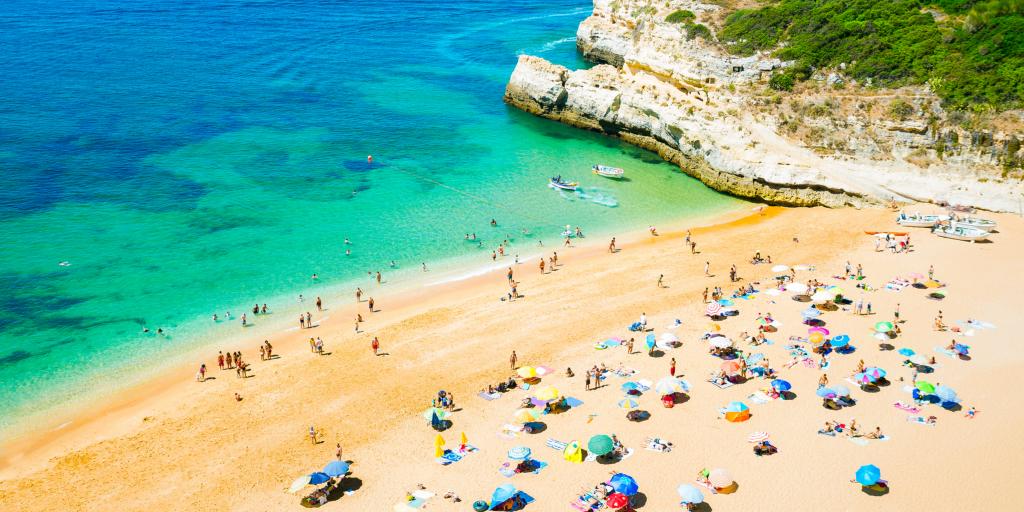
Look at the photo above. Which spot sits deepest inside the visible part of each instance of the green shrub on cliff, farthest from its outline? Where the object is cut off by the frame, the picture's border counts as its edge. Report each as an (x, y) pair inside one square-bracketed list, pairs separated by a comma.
[(681, 16), (974, 56), (694, 30)]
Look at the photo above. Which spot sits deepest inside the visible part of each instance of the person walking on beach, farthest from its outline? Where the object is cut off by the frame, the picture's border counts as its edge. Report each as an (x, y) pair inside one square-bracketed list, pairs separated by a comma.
[(243, 320), (302, 321), (375, 345), (319, 304), (672, 367), (931, 273), (359, 294), (509, 274), (705, 295), (629, 347), (896, 314), (220, 360), (312, 434), (264, 309), (201, 376), (270, 349), (263, 353), (707, 268), (869, 308), (319, 346), (312, 345), (541, 264), (309, 320), (513, 359), (337, 453), (611, 246), (661, 280), (370, 304), (693, 247), (230, 361)]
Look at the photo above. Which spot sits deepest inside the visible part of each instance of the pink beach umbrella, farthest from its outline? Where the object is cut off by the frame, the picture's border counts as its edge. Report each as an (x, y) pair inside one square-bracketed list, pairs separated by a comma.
[(713, 309), (757, 437), (822, 330)]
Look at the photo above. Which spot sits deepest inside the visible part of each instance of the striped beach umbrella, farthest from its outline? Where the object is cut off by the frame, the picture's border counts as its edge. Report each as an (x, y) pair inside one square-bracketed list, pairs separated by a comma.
[(519, 453), (757, 437), (628, 404), (526, 415), (713, 309)]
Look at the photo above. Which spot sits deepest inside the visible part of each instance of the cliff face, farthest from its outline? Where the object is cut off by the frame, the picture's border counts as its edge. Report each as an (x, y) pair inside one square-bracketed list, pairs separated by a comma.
[(710, 114)]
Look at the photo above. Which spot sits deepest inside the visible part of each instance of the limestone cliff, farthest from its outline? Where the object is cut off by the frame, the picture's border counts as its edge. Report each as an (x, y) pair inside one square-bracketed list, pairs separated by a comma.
[(681, 96)]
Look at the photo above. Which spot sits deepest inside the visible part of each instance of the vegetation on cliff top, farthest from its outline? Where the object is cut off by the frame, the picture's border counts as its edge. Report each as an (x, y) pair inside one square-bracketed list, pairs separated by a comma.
[(971, 52)]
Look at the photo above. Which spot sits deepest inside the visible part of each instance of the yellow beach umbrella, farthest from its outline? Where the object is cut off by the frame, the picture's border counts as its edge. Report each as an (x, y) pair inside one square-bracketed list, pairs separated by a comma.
[(438, 446), (714, 327), (527, 372), (525, 415), (547, 393), (439, 441), (463, 440)]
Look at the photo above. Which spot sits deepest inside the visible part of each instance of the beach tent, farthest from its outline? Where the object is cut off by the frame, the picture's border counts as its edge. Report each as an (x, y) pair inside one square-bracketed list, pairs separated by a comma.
[(736, 412), (624, 484), (573, 452), (600, 445), (690, 494)]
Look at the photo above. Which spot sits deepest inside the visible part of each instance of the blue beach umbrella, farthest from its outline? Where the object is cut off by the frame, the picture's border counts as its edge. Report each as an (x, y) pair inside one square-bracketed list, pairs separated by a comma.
[(906, 352), (868, 475), (624, 484), (650, 340), (318, 478), (630, 386), (502, 494), (810, 313), (840, 341), (336, 468), (754, 358), (690, 494), (841, 390), (864, 378), (781, 385), (946, 394), (736, 407), (825, 392), (519, 453)]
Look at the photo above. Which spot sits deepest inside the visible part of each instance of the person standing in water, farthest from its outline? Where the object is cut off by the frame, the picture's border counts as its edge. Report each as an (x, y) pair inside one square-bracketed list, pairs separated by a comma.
[(359, 294)]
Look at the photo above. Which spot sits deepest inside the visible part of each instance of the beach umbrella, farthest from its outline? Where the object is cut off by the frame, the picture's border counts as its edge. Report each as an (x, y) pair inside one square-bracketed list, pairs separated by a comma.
[(720, 342), (881, 336), (547, 393), (713, 309), (875, 372), (781, 385), (616, 501), (822, 297), (868, 475), (820, 330), (754, 358), (840, 341), (690, 494), (915, 276), (841, 390), (667, 337), (946, 394), (669, 385), (624, 484), (736, 412), (863, 378), (650, 341), (816, 338), (810, 313), (502, 494), (932, 284), (925, 387), (905, 352), (519, 453), (435, 412), (310, 479), (600, 445), (834, 290), (778, 269), (757, 437), (713, 327), (884, 327), (720, 478), (318, 478), (796, 287), (336, 468), (526, 415), (527, 372), (918, 359), (731, 367), (628, 404), (825, 392)]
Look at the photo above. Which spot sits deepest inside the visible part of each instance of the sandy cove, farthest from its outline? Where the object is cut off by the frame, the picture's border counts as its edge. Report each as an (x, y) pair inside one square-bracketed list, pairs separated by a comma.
[(190, 446)]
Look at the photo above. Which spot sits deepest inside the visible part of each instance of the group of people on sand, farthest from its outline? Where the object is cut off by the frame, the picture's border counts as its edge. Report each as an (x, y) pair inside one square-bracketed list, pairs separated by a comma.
[(758, 259), (833, 428)]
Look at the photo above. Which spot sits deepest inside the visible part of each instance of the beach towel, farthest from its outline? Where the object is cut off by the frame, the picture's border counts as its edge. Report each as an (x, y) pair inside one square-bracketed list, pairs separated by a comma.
[(920, 420), (860, 441), (906, 407), (797, 339), (625, 372), (555, 444), (510, 431), (809, 363), (827, 433), (583, 500), (946, 352), (722, 385), (573, 402), (489, 397), (758, 398), (449, 457), (508, 471)]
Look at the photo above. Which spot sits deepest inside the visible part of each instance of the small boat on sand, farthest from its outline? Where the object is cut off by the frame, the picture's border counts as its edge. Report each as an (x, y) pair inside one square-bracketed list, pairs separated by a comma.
[(920, 221), (974, 222), (559, 183), (609, 172), (967, 234)]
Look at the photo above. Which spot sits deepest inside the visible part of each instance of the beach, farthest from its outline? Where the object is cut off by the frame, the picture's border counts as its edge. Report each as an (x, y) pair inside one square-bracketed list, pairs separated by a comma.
[(174, 443)]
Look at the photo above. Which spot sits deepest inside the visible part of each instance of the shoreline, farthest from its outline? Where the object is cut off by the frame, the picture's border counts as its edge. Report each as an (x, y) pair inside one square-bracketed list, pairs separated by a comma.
[(119, 410)]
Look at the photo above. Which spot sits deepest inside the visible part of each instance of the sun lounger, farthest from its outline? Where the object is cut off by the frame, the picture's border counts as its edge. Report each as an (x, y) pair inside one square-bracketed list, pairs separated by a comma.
[(555, 444)]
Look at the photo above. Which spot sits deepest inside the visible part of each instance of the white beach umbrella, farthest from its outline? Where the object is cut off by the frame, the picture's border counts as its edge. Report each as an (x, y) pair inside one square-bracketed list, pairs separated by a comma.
[(720, 342), (778, 269), (822, 297), (796, 287), (774, 292), (801, 267), (669, 385)]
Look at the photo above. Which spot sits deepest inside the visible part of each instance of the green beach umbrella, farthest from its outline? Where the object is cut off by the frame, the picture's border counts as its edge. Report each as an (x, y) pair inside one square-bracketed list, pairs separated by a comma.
[(925, 387), (600, 445), (884, 326)]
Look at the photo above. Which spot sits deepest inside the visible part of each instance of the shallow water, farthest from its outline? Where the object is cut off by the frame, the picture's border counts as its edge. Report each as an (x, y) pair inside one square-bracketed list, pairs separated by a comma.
[(187, 158)]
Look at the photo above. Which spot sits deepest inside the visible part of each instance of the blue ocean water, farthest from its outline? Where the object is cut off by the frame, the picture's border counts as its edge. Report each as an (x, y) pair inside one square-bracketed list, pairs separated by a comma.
[(182, 158)]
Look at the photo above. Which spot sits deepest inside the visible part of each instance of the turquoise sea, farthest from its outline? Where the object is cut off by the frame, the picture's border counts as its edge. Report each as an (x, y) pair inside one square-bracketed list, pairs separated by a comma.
[(183, 158)]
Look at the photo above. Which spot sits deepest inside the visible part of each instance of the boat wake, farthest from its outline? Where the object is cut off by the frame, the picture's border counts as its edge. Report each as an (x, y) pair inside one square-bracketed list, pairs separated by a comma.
[(593, 195)]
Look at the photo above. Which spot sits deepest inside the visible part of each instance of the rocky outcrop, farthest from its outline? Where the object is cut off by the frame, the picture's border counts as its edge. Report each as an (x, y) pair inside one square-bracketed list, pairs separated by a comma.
[(707, 112)]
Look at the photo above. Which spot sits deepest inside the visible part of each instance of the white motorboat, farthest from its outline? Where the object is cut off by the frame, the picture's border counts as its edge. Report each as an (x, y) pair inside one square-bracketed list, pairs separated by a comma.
[(967, 234), (974, 222), (609, 172), (920, 221), (559, 183)]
